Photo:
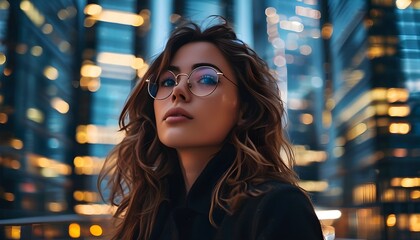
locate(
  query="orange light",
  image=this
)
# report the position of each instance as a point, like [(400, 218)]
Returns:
[(96, 230), (391, 220), (74, 230), (399, 128)]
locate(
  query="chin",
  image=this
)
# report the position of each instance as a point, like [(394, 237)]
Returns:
[(183, 139)]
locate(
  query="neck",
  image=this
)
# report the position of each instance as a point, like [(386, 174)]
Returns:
[(193, 161)]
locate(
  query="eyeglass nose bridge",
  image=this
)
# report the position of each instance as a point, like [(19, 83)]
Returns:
[(177, 79)]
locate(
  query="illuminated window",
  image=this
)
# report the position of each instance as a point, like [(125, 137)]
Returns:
[(365, 193), (400, 152), (13, 232), (36, 51), (388, 195), (402, 4), (415, 222), (306, 118), (405, 182), (415, 194), (97, 13), (327, 31), (376, 51), (379, 94), (98, 134), (3, 118), (397, 95), (2, 58), (356, 131), (399, 111), (96, 230), (74, 230), (314, 186), (60, 105), (391, 220), (51, 73), (86, 165), (399, 128)]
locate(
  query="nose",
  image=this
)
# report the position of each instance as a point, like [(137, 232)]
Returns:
[(180, 92)]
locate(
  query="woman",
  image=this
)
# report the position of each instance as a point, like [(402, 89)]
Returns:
[(201, 157)]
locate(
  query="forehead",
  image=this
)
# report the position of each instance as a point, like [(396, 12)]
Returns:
[(198, 52)]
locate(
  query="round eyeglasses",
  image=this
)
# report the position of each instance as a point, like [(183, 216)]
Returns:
[(202, 81)]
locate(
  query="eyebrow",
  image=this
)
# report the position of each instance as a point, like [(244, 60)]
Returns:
[(196, 65)]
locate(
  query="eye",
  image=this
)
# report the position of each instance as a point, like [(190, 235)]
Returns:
[(167, 82), (167, 79), (208, 79)]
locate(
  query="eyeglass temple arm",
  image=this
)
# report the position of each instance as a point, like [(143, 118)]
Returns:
[(222, 74)]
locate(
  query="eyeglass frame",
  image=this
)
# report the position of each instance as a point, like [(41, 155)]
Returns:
[(218, 73)]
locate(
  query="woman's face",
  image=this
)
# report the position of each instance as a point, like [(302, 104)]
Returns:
[(186, 121)]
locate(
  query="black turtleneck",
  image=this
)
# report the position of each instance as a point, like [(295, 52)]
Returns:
[(186, 215), (283, 212)]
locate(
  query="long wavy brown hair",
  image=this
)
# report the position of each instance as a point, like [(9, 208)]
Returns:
[(135, 168)]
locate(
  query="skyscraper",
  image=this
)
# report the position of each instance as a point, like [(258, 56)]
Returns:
[(36, 107), (372, 99)]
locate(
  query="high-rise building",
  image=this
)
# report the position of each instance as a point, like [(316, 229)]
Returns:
[(293, 30), (67, 67), (60, 97), (372, 116), (108, 70), (39, 66)]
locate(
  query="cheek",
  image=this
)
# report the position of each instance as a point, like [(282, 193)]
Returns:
[(229, 103), (158, 109), (223, 114)]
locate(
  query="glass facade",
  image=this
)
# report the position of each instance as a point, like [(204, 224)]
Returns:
[(296, 50), (108, 68), (37, 93), (373, 163)]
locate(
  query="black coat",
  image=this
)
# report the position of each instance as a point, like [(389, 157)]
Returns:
[(283, 212)]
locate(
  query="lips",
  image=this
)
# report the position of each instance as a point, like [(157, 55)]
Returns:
[(177, 112)]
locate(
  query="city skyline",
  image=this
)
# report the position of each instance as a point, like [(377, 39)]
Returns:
[(347, 72)]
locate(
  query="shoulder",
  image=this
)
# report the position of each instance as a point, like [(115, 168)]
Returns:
[(286, 211), (278, 197), (281, 210), (275, 200), (280, 191), (275, 186)]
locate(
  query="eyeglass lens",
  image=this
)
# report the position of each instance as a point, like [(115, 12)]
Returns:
[(201, 82)]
